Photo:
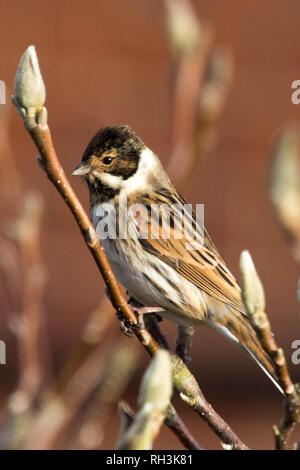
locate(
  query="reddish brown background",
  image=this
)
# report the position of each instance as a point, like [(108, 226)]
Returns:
[(107, 62)]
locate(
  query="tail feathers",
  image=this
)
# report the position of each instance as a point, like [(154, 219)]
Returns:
[(267, 367), (239, 330)]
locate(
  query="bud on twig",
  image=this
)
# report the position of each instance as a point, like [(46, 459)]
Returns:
[(154, 398), (215, 86), (252, 289), (285, 182), (156, 386), (182, 26), (30, 92)]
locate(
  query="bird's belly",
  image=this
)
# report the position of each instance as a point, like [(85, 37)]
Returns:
[(131, 275), (153, 283)]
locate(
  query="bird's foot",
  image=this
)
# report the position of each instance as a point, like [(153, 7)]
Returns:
[(126, 327), (140, 310)]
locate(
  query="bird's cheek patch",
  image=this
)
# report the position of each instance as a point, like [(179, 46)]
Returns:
[(113, 181)]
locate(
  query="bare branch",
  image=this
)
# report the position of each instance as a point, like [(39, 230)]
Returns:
[(190, 41), (175, 423), (122, 361), (253, 296), (188, 389), (26, 234)]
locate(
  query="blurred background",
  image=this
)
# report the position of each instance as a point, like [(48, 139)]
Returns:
[(107, 63)]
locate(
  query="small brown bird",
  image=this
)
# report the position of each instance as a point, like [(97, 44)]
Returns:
[(192, 286)]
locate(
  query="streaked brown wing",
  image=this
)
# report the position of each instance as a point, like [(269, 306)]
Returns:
[(202, 266)]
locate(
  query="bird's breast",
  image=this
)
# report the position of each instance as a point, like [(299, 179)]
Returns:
[(148, 279)]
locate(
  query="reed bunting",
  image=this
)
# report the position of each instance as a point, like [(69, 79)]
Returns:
[(190, 283)]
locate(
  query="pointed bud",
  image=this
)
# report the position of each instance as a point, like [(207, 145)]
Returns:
[(285, 179), (154, 398), (215, 86), (30, 93), (156, 386), (252, 289), (182, 26)]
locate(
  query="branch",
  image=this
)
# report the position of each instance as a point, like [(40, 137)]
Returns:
[(202, 81), (10, 186), (175, 423), (212, 97), (58, 410), (122, 360), (90, 338), (188, 389), (10, 274), (26, 233), (254, 300), (190, 42)]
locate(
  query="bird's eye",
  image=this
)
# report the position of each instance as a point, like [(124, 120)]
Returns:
[(107, 160)]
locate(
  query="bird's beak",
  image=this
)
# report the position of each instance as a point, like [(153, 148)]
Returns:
[(81, 169)]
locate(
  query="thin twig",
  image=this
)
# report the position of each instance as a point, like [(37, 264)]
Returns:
[(254, 300), (58, 410), (10, 186), (189, 391), (26, 233), (175, 423), (93, 333), (10, 274), (189, 73), (10, 199), (123, 360), (291, 405), (211, 101)]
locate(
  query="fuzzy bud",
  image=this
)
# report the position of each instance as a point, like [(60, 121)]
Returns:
[(252, 289), (182, 26), (156, 386), (154, 398), (285, 179), (30, 92)]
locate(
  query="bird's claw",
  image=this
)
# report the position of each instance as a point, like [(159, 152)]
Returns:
[(128, 328), (139, 310)]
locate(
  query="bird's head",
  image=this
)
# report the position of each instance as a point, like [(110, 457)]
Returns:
[(116, 161), (112, 159)]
